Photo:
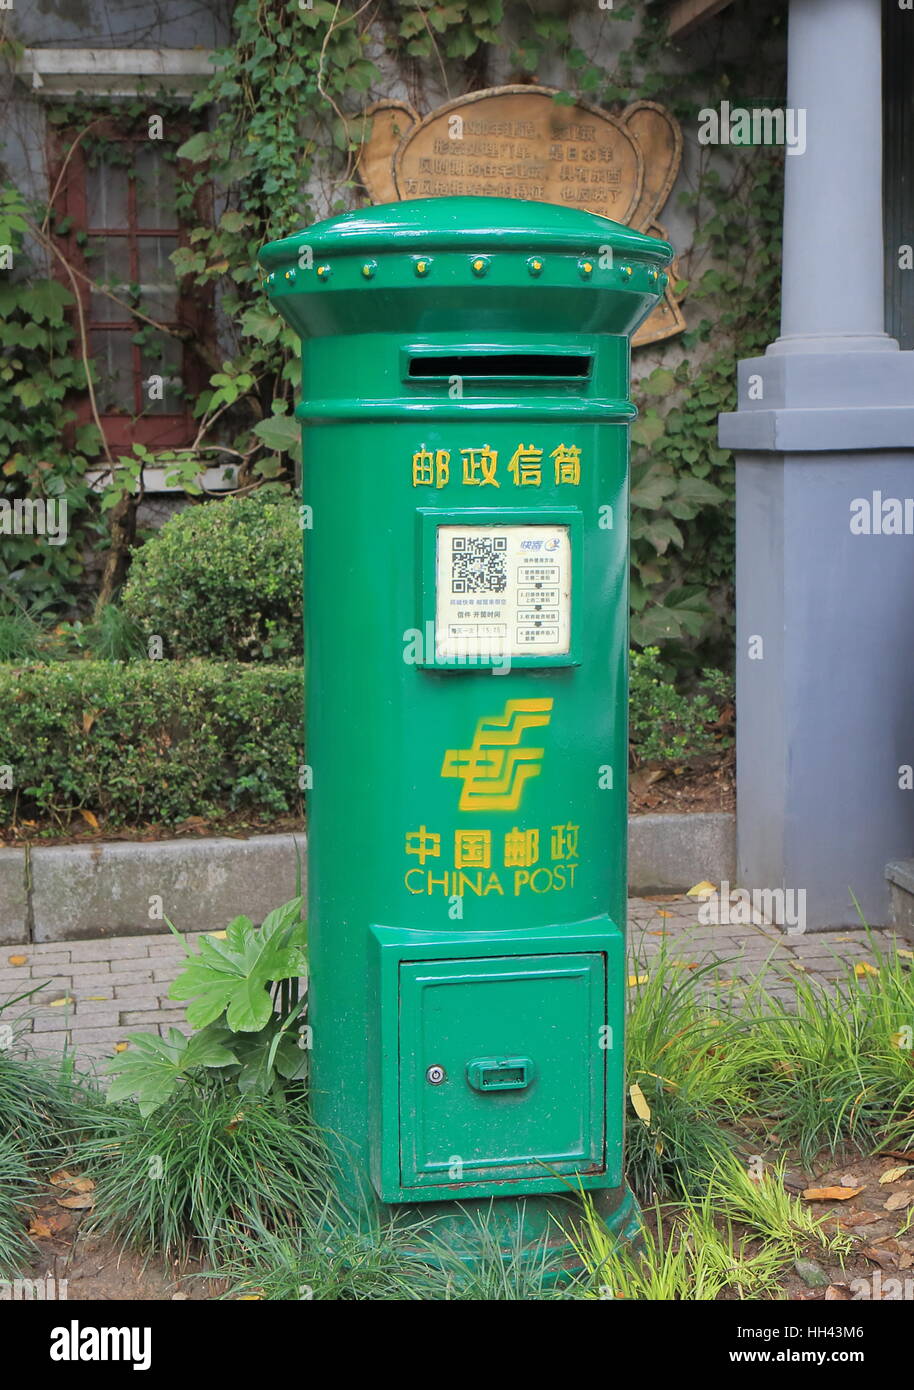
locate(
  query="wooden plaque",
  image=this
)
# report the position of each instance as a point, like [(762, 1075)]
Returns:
[(520, 142)]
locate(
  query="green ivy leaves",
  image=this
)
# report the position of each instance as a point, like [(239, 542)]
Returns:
[(280, 432)]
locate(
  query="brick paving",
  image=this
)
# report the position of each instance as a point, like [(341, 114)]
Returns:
[(92, 994)]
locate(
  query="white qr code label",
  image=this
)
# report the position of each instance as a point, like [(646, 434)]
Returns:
[(503, 591)]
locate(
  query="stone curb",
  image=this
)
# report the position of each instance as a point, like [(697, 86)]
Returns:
[(668, 854), (124, 888), (14, 901)]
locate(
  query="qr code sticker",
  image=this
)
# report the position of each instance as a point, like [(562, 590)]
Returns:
[(479, 564)]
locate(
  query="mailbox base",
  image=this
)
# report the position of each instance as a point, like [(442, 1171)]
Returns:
[(522, 1231)]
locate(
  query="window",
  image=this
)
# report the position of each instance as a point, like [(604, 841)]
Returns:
[(119, 202)]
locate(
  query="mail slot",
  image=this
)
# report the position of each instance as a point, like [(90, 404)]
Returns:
[(465, 410)]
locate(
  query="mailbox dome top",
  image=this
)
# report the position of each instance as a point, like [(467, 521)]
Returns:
[(472, 224)]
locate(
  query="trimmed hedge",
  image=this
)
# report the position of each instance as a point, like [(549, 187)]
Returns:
[(223, 579), (149, 741)]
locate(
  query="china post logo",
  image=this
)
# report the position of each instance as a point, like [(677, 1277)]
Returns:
[(495, 767)]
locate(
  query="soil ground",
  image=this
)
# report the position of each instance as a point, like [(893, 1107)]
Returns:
[(708, 784), (95, 1268)]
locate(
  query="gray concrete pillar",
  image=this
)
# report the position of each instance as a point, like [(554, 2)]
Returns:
[(824, 441), (833, 189)]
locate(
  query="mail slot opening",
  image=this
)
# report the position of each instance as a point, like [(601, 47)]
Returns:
[(485, 366)]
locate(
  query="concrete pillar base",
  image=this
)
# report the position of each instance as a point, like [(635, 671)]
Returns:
[(825, 627)]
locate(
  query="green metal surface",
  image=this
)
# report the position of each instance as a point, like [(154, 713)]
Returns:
[(465, 1127), (465, 462)]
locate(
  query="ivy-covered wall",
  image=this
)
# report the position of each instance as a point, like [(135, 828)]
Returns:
[(278, 130)]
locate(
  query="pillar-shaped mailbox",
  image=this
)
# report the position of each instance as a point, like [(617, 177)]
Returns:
[(465, 367)]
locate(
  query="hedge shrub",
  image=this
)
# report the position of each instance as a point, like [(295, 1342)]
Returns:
[(149, 741), (667, 725), (223, 579)]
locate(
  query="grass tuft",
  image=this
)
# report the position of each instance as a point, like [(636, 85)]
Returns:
[(206, 1164)]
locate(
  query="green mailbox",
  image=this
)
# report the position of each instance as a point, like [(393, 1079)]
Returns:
[(465, 366)]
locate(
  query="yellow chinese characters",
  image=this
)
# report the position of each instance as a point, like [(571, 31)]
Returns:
[(480, 466), (481, 858)]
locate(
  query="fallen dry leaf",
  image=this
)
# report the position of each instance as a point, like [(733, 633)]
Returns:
[(639, 1103), (40, 1229), (860, 1218), (883, 1258), (830, 1194), (905, 1260), (637, 980), (905, 955), (59, 1003), (893, 1174), (217, 935), (82, 1202), (58, 1221), (18, 960), (121, 1046), (898, 1201), (838, 1293), (863, 968), (661, 912), (702, 891), (89, 817), (71, 1181)]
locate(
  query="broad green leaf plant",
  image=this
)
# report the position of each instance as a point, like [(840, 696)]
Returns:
[(246, 1006)]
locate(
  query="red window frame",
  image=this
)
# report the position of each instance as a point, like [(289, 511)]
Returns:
[(193, 308)]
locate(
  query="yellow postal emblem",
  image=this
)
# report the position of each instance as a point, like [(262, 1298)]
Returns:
[(495, 767)]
